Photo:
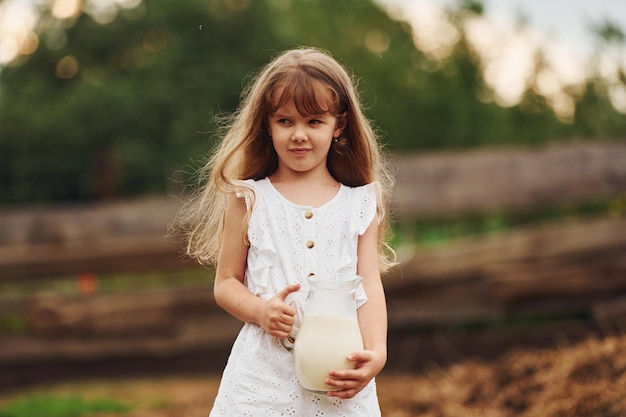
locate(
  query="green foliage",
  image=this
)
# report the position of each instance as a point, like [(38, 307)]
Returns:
[(106, 283), (54, 406), (434, 231), (117, 110), (12, 323), (610, 32)]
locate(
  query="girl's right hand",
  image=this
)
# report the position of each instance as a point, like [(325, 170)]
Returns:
[(277, 317)]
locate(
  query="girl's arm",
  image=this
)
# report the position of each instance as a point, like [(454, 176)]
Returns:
[(372, 321), (273, 315)]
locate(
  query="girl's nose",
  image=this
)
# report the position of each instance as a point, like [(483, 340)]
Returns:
[(299, 136)]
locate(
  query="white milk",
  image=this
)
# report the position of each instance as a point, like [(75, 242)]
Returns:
[(322, 344)]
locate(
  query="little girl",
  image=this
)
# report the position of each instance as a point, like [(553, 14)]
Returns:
[(297, 187)]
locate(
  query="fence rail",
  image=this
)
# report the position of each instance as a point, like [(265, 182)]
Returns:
[(508, 179)]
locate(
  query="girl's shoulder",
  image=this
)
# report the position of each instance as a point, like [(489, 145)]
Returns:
[(365, 201), (251, 190), (251, 184), (367, 191)]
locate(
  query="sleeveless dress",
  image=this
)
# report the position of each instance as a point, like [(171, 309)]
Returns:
[(287, 243)]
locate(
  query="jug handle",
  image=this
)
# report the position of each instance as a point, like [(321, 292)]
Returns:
[(290, 340), (288, 343)]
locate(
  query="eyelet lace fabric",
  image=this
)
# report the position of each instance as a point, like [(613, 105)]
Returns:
[(287, 243)]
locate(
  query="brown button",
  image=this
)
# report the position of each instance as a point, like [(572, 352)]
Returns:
[(308, 215), (310, 244), (311, 274)]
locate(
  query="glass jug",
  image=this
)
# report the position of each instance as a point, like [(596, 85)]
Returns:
[(329, 331)]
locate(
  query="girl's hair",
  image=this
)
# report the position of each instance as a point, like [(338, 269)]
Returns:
[(246, 150)]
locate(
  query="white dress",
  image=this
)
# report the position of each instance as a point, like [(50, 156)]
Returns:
[(287, 243)]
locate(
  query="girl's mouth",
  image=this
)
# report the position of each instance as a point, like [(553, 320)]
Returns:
[(299, 151)]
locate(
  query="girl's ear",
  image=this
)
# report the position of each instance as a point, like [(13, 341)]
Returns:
[(342, 121)]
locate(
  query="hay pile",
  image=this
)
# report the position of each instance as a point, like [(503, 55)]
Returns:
[(586, 380)]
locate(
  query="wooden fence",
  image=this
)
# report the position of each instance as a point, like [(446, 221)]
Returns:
[(130, 235), (459, 183), (566, 268), (556, 272)]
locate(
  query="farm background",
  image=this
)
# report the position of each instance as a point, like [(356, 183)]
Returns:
[(509, 216)]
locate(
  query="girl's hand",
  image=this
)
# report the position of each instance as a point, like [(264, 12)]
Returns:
[(368, 364), (277, 318)]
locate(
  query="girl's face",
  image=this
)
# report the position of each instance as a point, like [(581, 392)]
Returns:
[(302, 142)]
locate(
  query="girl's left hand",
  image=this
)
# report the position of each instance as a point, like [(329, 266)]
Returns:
[(368, 364)]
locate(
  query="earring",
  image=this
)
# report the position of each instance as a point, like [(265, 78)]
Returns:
[(335, 140)]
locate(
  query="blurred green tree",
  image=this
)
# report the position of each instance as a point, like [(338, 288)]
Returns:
[(115, 110)]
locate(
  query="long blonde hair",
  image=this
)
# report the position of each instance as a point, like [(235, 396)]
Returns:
[(246, 150)]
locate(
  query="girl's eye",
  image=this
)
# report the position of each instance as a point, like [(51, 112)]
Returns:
[(283, 121), (315, 122)]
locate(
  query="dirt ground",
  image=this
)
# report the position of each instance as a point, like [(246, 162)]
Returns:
[(584, 380)]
